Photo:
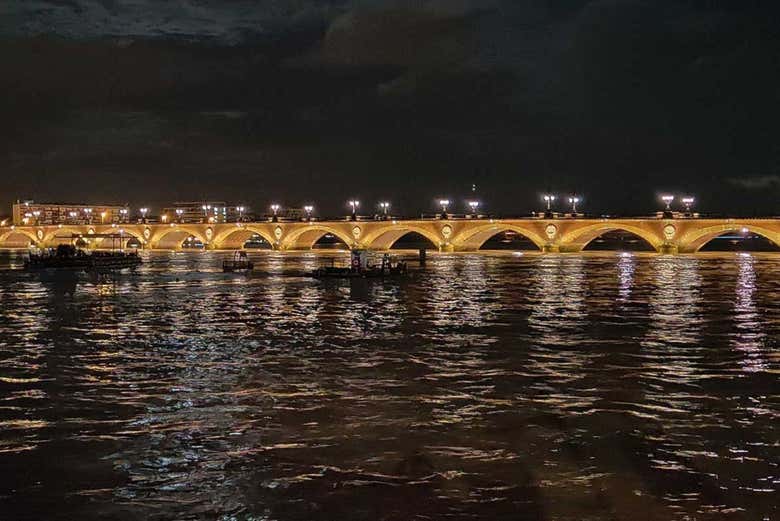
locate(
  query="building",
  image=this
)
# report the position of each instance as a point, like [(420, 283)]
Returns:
[(203, 211), (32, 213)]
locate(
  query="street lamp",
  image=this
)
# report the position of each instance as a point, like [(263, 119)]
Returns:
[(688, 202), (143, 214), (179, 212), (88, 211), (667, 199), (123, 212), (274, 209), (474, 205), (444, 203), (549, 199), (354, 204), (103, 217), (72, 216), (37, 214), (385, 206), (573, 200), (206, 208), (240, 210), (308, 209)]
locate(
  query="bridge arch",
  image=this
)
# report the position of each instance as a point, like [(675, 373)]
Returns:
[(386, 236), (172, 238), (235, 238), (6, 235), (305, 237), (694, 240), (473, 238), (577, 239)]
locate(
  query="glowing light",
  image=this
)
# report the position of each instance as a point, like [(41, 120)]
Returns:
[(573, 201), (668, 199), (474, 205)]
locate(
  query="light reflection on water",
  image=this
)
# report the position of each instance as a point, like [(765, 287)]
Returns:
[(601, 386)]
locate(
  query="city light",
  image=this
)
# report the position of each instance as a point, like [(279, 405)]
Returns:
[(573, 201), (444, 203), (143, 213), (549, 199), (474, 205), (688, 202), (308, 209), (275, 209), (354, 204), (179, 213), (668, 199), (385, 206), (240, 210)]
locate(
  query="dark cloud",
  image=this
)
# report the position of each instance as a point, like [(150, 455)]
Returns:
[(411, 100), (756, 182)]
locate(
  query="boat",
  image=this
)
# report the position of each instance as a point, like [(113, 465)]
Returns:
[(240, 262), (67, 257), (359, 268)]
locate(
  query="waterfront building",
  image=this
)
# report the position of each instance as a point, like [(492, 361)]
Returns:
[(203, 211), (44, 214)]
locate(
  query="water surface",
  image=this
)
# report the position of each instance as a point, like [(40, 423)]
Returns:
[(552, 387)]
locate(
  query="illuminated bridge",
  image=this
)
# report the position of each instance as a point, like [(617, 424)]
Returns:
[(549, 235)]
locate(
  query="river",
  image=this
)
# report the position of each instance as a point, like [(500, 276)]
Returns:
[(601, 386)]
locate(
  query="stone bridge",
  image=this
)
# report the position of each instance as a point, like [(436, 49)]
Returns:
[(550, 235)]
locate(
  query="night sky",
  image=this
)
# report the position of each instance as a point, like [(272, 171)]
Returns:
[(297, 101)]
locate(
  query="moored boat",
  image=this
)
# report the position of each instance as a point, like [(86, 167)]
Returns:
[(359, 268), (240, 262), (68, 257)]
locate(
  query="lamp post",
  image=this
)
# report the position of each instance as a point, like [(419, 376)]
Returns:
[(308, 209), (688, 202), (275, 209), (444, 203), (123, 212), (385, 206), (143, 214), (354, 204), (240, 210), (72, 216), (179, 213), (668, 199), (103, 217), (474, 205), (36, 214), (573, 200), (88, 211), (206, 208), (549, 199)]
